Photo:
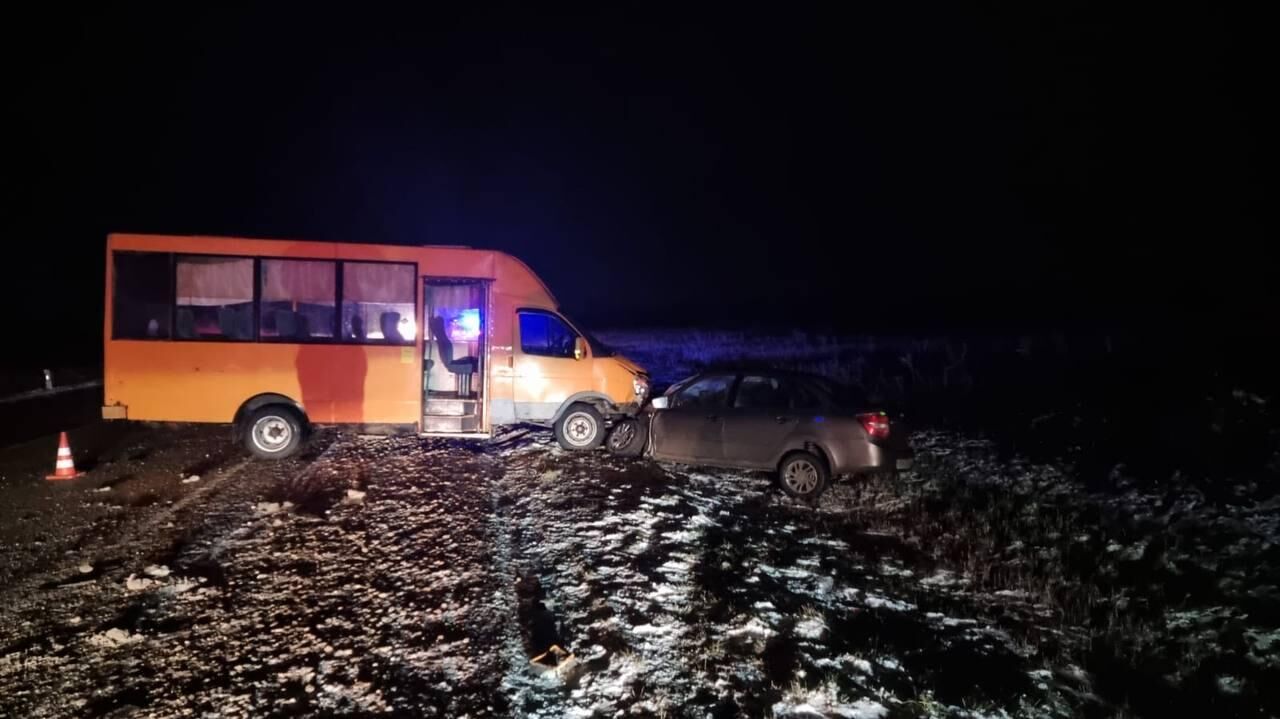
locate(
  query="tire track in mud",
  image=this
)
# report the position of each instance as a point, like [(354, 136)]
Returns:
[(605, 551), (363, 586), (64, 628), (691, 593)]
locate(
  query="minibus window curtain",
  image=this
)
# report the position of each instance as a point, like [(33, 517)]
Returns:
[(339, 331), (379, 301), (257, 300), (214, 297), (298, 300)]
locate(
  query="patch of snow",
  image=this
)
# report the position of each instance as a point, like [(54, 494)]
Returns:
[(1262, 641), (754, 628), (1230, 685), (944, 578), (826, 701), (895, 570), (113, 638), (844, 660), (653, 630), (134, 583), (812, 627), (875, 601)]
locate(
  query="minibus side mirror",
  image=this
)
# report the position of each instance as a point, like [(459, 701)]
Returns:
[(579, 348), (662, 402)]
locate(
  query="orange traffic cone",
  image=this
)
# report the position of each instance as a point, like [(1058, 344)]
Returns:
[(64, 467)]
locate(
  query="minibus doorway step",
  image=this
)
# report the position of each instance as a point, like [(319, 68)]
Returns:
[(467, 423), (458, 435)]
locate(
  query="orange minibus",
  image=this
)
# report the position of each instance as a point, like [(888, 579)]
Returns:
[(274, 335)]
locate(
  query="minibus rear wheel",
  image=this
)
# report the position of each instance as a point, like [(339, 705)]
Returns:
[(580, 427), (273, 432)]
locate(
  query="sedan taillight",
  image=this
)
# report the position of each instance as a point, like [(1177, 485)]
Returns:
[(876, 424)]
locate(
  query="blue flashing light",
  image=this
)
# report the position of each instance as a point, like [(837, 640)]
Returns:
[(465, 326)]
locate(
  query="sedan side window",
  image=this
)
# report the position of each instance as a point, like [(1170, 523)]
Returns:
[(757, 392), (708, 392)]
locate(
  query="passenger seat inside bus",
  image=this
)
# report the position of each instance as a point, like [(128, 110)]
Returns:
[(235, 322), (285, 326), (186, 323), (463, 367)]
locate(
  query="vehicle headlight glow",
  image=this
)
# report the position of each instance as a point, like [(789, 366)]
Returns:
[(640, 384)]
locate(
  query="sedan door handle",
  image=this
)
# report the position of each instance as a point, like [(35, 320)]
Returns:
[(781, 420), (713, 417)]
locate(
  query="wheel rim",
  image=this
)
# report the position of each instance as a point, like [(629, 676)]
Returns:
[(622, 435), (580, 429), (801, 476), (272, 434)]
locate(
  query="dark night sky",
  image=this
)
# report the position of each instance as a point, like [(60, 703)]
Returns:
[(884, 169)]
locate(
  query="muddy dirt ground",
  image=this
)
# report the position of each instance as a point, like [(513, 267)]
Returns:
[(421, 577)]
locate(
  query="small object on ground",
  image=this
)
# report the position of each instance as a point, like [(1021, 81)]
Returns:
[(85, 567), (113, 638), (64, 467), (556, 662), (134, 583), (155, 570), (192, 478), (354, 496)]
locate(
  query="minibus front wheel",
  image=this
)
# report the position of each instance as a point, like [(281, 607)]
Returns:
[(580, 427), (273, 432)]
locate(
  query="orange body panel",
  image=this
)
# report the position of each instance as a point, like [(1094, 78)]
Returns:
[(208, 381)]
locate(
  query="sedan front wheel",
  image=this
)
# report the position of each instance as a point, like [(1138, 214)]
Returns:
[(627, 438)]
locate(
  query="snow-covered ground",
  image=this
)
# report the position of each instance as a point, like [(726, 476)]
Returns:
[(423, 577)]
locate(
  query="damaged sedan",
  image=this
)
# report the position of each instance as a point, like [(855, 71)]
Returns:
[(806, 428)]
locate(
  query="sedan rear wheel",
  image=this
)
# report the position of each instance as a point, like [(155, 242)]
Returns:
[(803, 475)]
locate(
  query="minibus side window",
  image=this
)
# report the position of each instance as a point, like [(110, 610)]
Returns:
[(545, 335), (378, 300), (142, 303), (214, 298), (299, 300)]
